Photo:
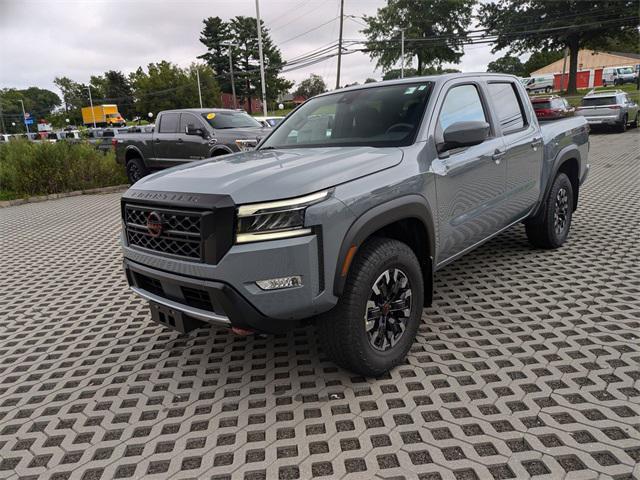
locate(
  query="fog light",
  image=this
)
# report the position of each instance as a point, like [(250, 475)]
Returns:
[(278, 283)]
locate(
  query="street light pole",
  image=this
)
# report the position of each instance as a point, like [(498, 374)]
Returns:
[(199, 91), (93, 113), (264, 86), (233, 83), (24, 117), (402, 53)]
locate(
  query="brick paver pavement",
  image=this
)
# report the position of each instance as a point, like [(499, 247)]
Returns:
[(528, 363)]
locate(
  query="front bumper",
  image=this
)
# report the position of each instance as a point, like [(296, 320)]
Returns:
[(199, 301)]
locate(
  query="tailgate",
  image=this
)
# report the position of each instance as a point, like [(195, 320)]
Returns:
[(598, 111)]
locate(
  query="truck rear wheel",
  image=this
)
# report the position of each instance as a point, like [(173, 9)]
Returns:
[(550, 228), (622, 126), (136, 169), (375, 322)]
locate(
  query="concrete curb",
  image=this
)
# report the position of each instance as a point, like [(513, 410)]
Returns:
[(54, 196)]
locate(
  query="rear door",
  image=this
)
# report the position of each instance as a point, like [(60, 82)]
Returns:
[(470, 180), (165, 140), (523, 148), (193, 147)]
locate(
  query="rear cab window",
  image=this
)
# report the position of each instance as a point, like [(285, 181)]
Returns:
[(508, 107)]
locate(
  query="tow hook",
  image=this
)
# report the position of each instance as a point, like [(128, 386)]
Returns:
[(242, 332)]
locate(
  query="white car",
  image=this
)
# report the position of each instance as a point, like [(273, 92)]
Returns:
[(618, 75), (269, 121)]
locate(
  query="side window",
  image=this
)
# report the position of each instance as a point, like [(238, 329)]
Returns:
[(508, 106), (462, 104), (169, 123), (188, 120)]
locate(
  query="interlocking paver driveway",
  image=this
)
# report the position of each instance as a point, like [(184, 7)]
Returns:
[(528, 363)]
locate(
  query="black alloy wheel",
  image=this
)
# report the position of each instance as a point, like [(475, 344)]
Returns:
[(388, 309)]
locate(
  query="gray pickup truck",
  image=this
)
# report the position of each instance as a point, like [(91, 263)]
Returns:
[(186, 135), (345, 212)]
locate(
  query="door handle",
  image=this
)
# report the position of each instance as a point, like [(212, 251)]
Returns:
[(536, 142), (497, 156)]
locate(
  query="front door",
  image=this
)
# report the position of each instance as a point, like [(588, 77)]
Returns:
[(523, 149), (193, 147), (470, 180)]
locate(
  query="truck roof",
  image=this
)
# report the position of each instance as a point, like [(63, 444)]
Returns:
[(440, 78)]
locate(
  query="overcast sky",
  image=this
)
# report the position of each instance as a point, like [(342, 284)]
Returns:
[(42, 39)]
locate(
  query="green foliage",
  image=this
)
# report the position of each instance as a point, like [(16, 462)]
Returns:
[(419, 19), (508, 64), (39, 102), (166, 86), (394, 73), (242, 32), (113, 88), (75, 96), (310, 87), (40, 168), (542, 25)]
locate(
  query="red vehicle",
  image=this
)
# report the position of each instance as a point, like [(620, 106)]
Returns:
[(552, 107)]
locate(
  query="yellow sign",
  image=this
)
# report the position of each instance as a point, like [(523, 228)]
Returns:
[(211, 116)]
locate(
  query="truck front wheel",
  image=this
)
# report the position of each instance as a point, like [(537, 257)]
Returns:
[(550, 228), (135, 169), (375, 322)]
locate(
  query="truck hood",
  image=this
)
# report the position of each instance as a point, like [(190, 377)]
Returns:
[(246, 133), (263, 175)]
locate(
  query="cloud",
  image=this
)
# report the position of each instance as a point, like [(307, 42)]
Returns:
[(40, 39)]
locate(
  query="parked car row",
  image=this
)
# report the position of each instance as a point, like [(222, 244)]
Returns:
[(605, 107)]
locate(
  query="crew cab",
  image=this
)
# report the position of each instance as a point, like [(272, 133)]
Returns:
[(186, 135), (348, 208)]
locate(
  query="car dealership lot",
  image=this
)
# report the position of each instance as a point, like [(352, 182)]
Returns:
[(527, 364)]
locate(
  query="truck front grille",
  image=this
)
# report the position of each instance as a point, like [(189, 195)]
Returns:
[(180, 231)]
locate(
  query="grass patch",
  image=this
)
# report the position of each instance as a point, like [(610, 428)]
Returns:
[(41, 168)]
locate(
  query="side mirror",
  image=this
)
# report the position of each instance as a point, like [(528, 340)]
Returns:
[(464, 134), (191, 130)]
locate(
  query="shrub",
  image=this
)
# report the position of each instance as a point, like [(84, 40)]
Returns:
[(40, 168)]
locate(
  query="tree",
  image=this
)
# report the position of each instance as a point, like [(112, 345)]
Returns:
[(537, 60), (422, 20), (74, 96), (310, 87), (370, 80), (39, 102), (539, 25), (113, 87), (394, 73), (507, 64), (242, 32), (165, 86)]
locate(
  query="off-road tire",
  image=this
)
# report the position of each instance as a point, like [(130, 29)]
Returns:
[(136, 169), (541, 230), (622, 127), (342, 332)]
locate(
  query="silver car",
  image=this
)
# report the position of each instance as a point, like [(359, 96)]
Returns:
[(609, 107)]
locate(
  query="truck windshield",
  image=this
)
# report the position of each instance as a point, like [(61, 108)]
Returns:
[(381, 116), (222, 120)]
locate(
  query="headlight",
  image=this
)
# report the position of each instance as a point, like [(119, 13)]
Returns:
[(247, 145), (274, 220)]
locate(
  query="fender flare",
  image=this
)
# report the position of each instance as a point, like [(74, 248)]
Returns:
[(567, 153), (403, 208), (219, 148), (133, 148)]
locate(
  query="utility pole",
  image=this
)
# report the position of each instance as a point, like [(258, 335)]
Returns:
[(199, 91), (402, 53), (233, 83), (24, 117), (264, 85), (340, 44), (93, 113)]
